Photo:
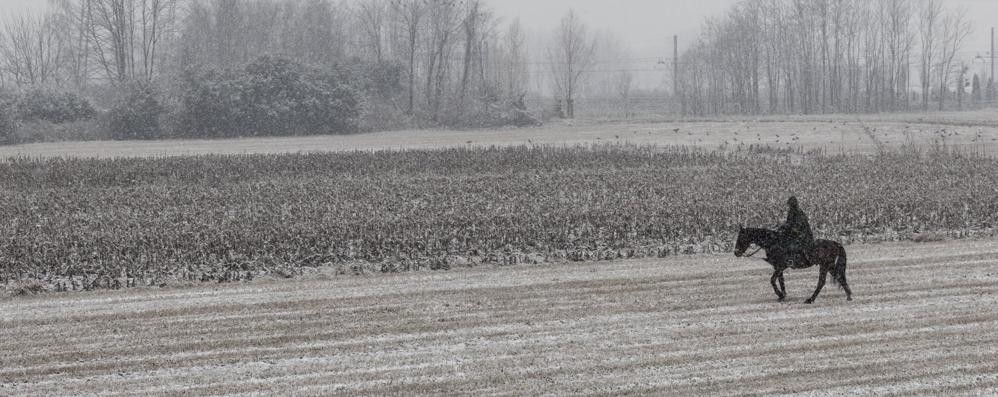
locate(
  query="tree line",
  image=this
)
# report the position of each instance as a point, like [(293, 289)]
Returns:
[(443, 61), (823, 56)]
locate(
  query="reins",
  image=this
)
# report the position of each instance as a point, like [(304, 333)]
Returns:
[(753, 253)]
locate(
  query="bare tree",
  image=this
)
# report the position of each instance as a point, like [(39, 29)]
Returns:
[(370, 18), (111, 34), (571, 57), (811, 56), (74, 18), (624, 80), (410, 14), (513, 74), (614, 79), (444, 21), (122, 31), (311, 31), (472, 27), (955, 30), (928, 25), (32, 50)]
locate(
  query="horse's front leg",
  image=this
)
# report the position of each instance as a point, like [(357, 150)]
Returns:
[(778, 275), (821, 283), (783, 288)]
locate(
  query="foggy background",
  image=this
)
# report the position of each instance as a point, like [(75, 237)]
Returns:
[(414, 64), (644, 27)]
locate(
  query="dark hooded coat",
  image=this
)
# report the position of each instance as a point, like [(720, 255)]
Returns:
[(797, 229)]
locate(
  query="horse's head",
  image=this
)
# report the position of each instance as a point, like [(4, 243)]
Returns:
[(763, 238), (742, 243)]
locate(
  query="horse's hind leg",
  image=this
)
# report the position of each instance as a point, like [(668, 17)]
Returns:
[(783, 288), (821, 283), (777, 275)]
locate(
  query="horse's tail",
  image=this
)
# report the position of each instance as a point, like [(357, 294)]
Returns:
[(840, 267)]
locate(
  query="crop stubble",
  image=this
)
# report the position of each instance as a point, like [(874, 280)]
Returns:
[(73, 224), (923, 322)]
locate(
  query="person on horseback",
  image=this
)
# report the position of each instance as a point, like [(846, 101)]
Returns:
[(796, 234)]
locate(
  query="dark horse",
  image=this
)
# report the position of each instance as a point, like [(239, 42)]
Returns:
[(831, 256)]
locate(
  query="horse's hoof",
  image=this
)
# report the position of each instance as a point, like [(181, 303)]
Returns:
[(809, 301), (849, 298), (781, 299)]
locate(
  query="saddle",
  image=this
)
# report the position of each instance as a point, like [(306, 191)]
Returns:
[(791, 253)]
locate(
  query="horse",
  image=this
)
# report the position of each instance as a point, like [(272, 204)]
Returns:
[(829, 255)]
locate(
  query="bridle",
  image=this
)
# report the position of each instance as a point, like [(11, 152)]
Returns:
[(753, 253)]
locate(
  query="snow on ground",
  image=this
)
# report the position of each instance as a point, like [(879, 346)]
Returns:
[(923, 322)]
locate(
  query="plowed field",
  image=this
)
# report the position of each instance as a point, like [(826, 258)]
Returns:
[(924, 321)]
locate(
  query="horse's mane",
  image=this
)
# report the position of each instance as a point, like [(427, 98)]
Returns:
[(761, 231), (767, 234)]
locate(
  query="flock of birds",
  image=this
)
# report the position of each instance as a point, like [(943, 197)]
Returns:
[(879, 137)]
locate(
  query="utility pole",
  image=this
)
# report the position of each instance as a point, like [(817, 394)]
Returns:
[(991, 81), (675, 74)]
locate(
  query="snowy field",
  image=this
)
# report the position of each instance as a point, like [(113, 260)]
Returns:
[(977, 130), (923, 322)]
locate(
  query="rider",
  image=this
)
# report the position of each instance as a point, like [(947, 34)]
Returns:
[(796, 233)]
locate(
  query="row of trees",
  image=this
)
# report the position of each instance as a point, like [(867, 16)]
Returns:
[(77, 42), (455, 58), (819, 56)]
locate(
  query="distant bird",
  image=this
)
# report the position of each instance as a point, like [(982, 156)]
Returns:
[(676, 130), (468, 142)]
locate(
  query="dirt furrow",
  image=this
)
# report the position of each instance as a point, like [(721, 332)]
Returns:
[(922, 324)]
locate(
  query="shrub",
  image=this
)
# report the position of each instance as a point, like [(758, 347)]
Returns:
[(42, 104), (491, 112), (44, 131), (381, 88), (137, 113), (7, 123), (271, 96)]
